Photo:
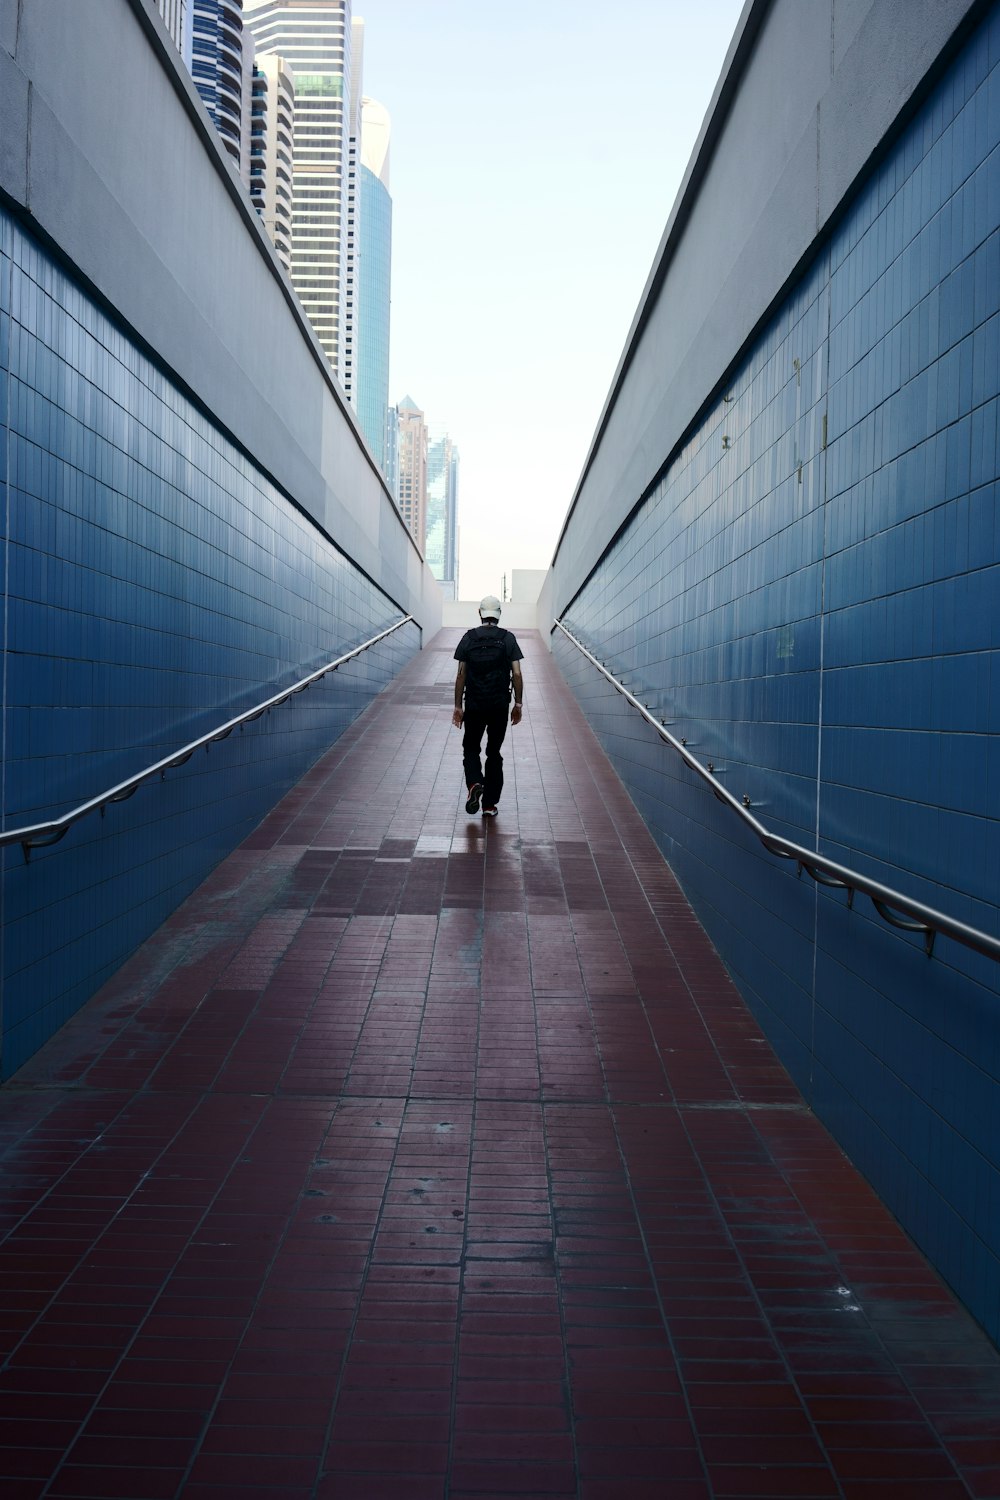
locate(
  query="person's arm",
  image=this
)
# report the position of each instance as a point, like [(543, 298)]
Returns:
[(518, 681), (457, 715)]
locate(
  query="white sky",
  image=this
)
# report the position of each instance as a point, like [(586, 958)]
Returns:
[(536, 153)]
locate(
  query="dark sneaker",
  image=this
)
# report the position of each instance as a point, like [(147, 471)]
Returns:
[(489, 812), (475, 794)]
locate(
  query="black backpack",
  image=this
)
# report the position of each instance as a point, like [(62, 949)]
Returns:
[(487, 682)]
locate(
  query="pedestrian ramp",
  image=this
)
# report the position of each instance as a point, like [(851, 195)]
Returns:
[(429, 1157)]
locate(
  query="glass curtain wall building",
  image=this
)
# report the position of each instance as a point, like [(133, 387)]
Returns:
[(314, 38), (442, 510), (374, 268)]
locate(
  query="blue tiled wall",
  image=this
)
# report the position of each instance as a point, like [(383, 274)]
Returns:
[(810, 596), (155, 584)]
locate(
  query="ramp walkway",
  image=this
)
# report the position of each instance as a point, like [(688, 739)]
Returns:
[(420, 1158)]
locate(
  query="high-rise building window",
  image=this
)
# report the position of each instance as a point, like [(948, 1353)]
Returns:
[(313, 37)]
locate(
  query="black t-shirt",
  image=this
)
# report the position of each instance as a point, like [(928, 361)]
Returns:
[(488, 653)]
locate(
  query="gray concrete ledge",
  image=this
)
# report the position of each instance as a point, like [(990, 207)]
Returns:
[(807, 95)]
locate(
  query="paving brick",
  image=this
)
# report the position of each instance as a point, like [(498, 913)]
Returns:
[(436, 1175)]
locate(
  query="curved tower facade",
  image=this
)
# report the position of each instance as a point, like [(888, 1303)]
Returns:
[(279, 148), (217, 67)]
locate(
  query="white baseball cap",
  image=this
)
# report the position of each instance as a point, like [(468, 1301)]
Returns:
[(489, 608)]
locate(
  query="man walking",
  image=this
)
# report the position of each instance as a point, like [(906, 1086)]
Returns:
[(489, 660)]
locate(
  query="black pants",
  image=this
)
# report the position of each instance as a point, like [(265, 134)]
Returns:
[(494, 722)]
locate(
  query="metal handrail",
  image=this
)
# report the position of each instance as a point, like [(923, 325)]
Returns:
[(892, 906), (40, 835)]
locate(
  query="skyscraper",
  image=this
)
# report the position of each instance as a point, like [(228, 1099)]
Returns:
[(258, 139), (374, 263), (314, 37), (279, 113), (249, 116), (221, 64), (392, 452), (412, 473), (352, 211), (440, 551)]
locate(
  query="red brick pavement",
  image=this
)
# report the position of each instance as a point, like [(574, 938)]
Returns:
[(427, 1159)]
